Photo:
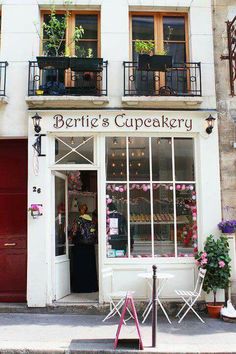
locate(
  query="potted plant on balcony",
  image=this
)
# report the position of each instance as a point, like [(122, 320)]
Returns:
[(85, 60), (147, 60), (215, 259), (54, 32)]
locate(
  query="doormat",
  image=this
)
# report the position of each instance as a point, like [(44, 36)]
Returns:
[(129, 343)]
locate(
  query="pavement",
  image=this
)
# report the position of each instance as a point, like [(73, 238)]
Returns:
[(72, 333)]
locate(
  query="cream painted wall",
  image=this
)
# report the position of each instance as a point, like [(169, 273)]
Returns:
[(20, 43)]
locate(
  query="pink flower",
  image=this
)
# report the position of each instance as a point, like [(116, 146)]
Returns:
[(195, 249), (204, 255), (197, 263), (221, 264), (204, 261), (194, 237)]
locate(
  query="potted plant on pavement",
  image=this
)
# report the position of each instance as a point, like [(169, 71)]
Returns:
[(227, 226), (215, 259)]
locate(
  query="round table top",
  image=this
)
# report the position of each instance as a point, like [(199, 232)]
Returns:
[(159, 275)]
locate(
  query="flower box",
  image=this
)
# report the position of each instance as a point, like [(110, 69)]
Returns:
[(45, 62)]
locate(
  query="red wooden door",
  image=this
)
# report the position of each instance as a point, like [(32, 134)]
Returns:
[(13, 220)]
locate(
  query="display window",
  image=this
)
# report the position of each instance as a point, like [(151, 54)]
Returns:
[(150, 197)]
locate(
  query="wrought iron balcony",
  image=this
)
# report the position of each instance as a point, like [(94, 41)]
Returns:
[(3, 69), (180, 80), (61, 82)]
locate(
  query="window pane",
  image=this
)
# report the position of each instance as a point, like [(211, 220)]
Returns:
[(174, 29), (184, 159), (177, 50), (116, 221), (116, 159), (139, 159), (89, 24), (60, 222), (161, 159), (74, 150), (186, 212), (140, 220), (86, 49), (142, 27), (163, 218)]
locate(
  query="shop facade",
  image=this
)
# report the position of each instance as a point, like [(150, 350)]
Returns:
[(151, 176)]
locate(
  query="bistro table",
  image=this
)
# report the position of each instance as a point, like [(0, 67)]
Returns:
[(161, 280)]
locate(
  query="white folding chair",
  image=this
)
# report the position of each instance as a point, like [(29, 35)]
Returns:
[(190, 297), (116, 298)]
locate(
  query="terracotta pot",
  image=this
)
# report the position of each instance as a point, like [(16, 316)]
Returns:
[(214, 310)]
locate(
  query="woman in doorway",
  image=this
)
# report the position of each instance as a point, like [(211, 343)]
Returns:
[(84, 276)]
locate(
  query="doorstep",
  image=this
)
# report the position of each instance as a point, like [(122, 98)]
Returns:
[(92, 308)]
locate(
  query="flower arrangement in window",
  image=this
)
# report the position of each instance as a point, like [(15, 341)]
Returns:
[(215, 259), (227, 226)]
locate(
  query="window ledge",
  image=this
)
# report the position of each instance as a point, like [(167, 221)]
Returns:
[(3, 100), (65, 101), (162, 101)]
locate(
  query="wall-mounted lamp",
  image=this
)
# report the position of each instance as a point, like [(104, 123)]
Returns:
[(36, 122), (210, 124), (38, 141)]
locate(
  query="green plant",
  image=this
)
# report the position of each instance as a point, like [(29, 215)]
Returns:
[(144, 47), (162, 52), (215, 259), (54, 32)]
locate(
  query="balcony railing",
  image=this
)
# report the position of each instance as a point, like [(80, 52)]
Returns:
[(3, 69), (180, 80), (60, 82)]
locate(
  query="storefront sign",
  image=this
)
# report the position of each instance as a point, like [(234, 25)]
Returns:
[(121, 121)]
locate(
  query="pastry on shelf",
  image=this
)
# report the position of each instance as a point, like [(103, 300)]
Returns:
[(154, 217), (142, 218)]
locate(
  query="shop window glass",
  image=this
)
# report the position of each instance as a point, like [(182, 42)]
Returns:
[(184, 159), (116, 159), (116, 220), (163, 219), (140, 220), (186, 211), (74, 150), (139, 168), (158, 211), (161, 159)]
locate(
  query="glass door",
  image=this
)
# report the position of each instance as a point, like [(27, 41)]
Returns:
[(62, 262)]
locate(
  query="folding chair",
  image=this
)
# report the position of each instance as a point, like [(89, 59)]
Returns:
[(116, 298), (190, 297)]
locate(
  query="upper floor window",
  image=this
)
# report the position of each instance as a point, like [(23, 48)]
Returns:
[(168, 32), (86, 47)]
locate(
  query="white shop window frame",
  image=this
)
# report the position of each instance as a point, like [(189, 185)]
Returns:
[(100, 166), (148, 260)]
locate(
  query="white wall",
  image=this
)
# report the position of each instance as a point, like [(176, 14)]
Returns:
[(20, 43)]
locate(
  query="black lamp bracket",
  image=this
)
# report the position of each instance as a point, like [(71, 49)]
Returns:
[(37, 144)]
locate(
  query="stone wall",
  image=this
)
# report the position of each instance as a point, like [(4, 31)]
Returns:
[(224, 10)]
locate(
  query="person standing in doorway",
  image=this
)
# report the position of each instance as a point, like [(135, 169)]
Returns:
[(84, 277)]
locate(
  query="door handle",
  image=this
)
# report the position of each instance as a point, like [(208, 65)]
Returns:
[(10, 244)]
